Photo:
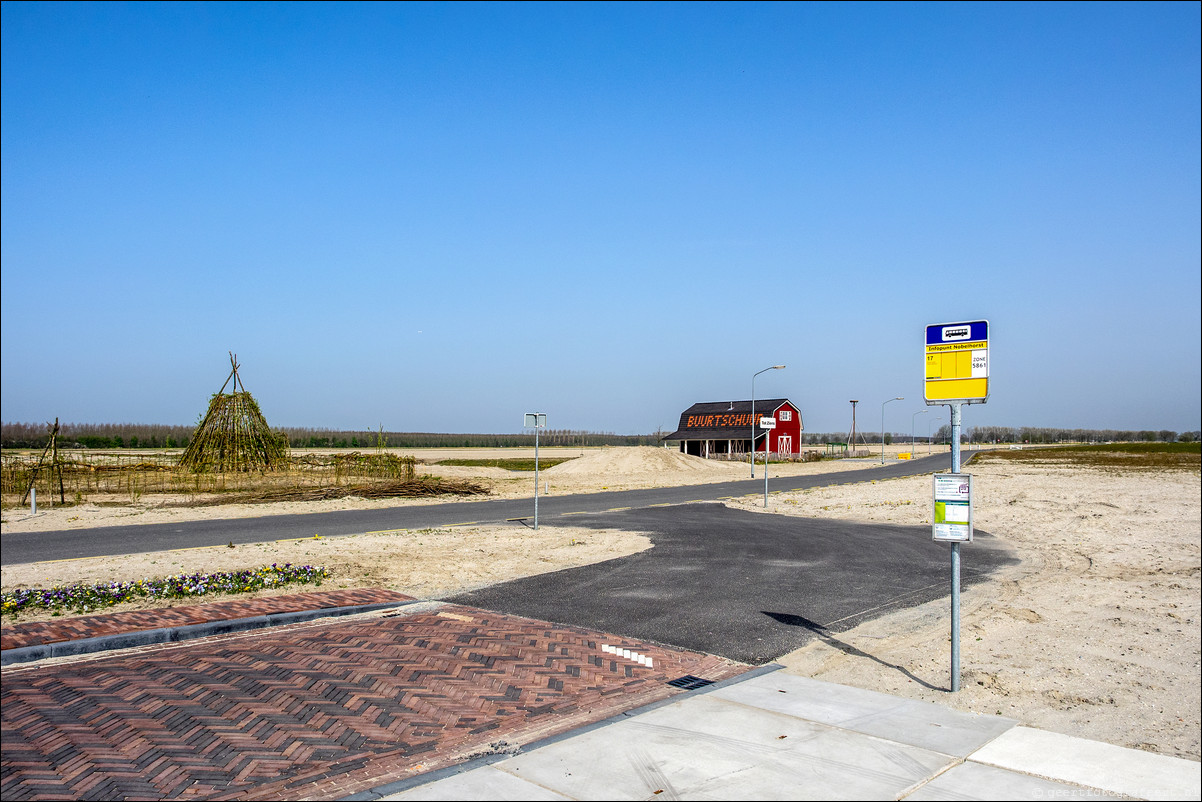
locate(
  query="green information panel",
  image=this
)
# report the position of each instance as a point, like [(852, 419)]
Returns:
[(952, 521)]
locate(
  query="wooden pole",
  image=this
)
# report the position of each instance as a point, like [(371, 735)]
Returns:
[(57, 464)]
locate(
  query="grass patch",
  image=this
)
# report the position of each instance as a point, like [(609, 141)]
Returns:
[(1128, 456), (507, 464)]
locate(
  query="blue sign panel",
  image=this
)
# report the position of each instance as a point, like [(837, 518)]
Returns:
[(977, 330)]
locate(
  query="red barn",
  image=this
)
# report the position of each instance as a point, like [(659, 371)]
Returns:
[(725, 428)]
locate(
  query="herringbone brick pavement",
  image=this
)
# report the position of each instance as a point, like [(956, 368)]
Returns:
[(77, 628), (318, 710)]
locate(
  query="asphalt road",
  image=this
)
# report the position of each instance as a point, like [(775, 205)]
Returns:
[(744, 585), (24, 547), (734, 583)]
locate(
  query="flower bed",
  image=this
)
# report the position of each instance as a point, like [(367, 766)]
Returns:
[(83, 598)]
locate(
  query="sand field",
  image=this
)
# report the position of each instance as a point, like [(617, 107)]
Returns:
[(1094, 634)]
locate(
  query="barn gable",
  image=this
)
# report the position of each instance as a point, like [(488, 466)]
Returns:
[(725, 427)]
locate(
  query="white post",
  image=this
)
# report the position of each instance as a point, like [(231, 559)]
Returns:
[(33, 500)]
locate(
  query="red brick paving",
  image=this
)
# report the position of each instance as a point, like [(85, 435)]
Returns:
[(315, 711), (38, 633)]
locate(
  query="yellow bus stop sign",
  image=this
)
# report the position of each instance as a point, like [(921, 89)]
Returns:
[(957, 366)]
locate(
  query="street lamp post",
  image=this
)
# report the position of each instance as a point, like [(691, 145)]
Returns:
[(757, 373), (851, 437), (535, 421), (899, 398), (913, 438)]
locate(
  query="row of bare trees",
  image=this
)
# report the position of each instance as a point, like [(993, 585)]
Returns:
[(96, 435), (139, 435), (328, 438)]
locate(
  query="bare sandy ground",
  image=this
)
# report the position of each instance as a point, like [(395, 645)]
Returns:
[(425, 563), (1095, 634)]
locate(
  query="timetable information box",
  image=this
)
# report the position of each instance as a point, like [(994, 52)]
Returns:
[(957, 362)]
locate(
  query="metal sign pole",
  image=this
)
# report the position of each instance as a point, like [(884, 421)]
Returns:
[(767, 440), (955, 560), (536, 421), (767, 424), (536, 479), (754, 421)]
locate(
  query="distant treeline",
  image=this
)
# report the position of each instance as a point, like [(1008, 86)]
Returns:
[(329, 438), (1029, 434), (1007, 434), (141, 435), (96, 435)]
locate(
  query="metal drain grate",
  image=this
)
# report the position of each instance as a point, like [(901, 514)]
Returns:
[(689, 683)]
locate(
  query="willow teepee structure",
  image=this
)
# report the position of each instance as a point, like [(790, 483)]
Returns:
[(234, 436)]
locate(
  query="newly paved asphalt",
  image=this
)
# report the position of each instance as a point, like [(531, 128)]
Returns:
[(744, 585), (25, 547)]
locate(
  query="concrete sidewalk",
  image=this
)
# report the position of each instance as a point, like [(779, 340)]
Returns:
[(779, 736)]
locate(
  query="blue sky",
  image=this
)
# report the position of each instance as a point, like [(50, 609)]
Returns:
[(439, 217)]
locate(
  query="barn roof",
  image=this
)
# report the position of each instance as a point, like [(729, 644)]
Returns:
[(723, 420)]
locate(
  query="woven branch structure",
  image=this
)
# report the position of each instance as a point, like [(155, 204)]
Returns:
[(234, 435)]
